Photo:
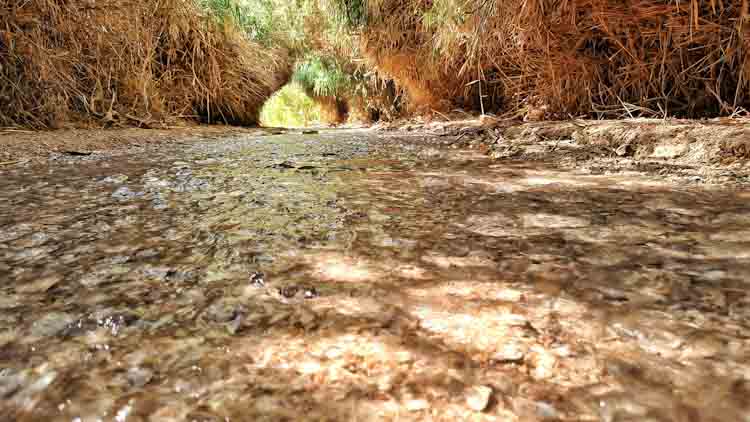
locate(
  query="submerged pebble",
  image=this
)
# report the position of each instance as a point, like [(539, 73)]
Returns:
[(51, 324), (125, 193), (139, 377)]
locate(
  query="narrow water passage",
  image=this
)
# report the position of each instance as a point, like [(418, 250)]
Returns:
[(340, 277)]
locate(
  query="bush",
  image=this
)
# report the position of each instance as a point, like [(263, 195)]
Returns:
[(290, 107)]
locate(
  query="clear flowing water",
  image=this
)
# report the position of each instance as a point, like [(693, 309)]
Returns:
[(341, 276)]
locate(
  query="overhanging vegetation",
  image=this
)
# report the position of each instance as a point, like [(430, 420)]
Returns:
[(593, 57), (219, 60)]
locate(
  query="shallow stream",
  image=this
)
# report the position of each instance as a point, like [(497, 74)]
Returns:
[(341, 276)]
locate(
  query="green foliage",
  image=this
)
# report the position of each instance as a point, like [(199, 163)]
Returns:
[(292, 17), (350, 13), (445, 12), (280, 23), (290, 107), (322, 77), (321, 35), (254, 17)]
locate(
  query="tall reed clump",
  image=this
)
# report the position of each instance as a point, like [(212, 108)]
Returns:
[(392, 39), (127, 61), (345, 90), (326, 82), (612, 58)]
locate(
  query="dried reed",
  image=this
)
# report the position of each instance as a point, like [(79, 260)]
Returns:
[(127, 61), (595, 57)]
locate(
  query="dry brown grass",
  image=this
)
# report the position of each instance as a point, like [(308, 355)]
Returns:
[(116, 61), (398, 46), (646, 57), (358, 111), (377, 100), (333, 111), (597, 57), (426, 87)]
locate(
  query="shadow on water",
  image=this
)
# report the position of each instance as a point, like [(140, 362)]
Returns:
[(439, 287)]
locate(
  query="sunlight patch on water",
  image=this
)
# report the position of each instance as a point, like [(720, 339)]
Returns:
[(335, 267)]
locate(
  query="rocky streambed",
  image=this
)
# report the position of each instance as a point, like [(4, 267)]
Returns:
[(349, 275)]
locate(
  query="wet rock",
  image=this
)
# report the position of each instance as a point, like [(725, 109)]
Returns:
[(169, 274), (283, 165), (33, 240), (11, 381), (160, 273), (138, 377), (154, 183), (236, 194), (159, 203), (40, 285), (147, 253), (510, 353), (77, 153), (257, 279), (115, 322), (221, 311), (116, 179), (125, 193), (613, 294), (430, 153), (37, 386), (478, 397), (183, 173), (111, 320), (288, 291), (542, 363), (190, 185), (311, 293), (625, 150), (38, 239), (546, 411), (101, 227), (52, 324), (35, 253), (234, 325), (102, 274), (534, 410), (621, 406)]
